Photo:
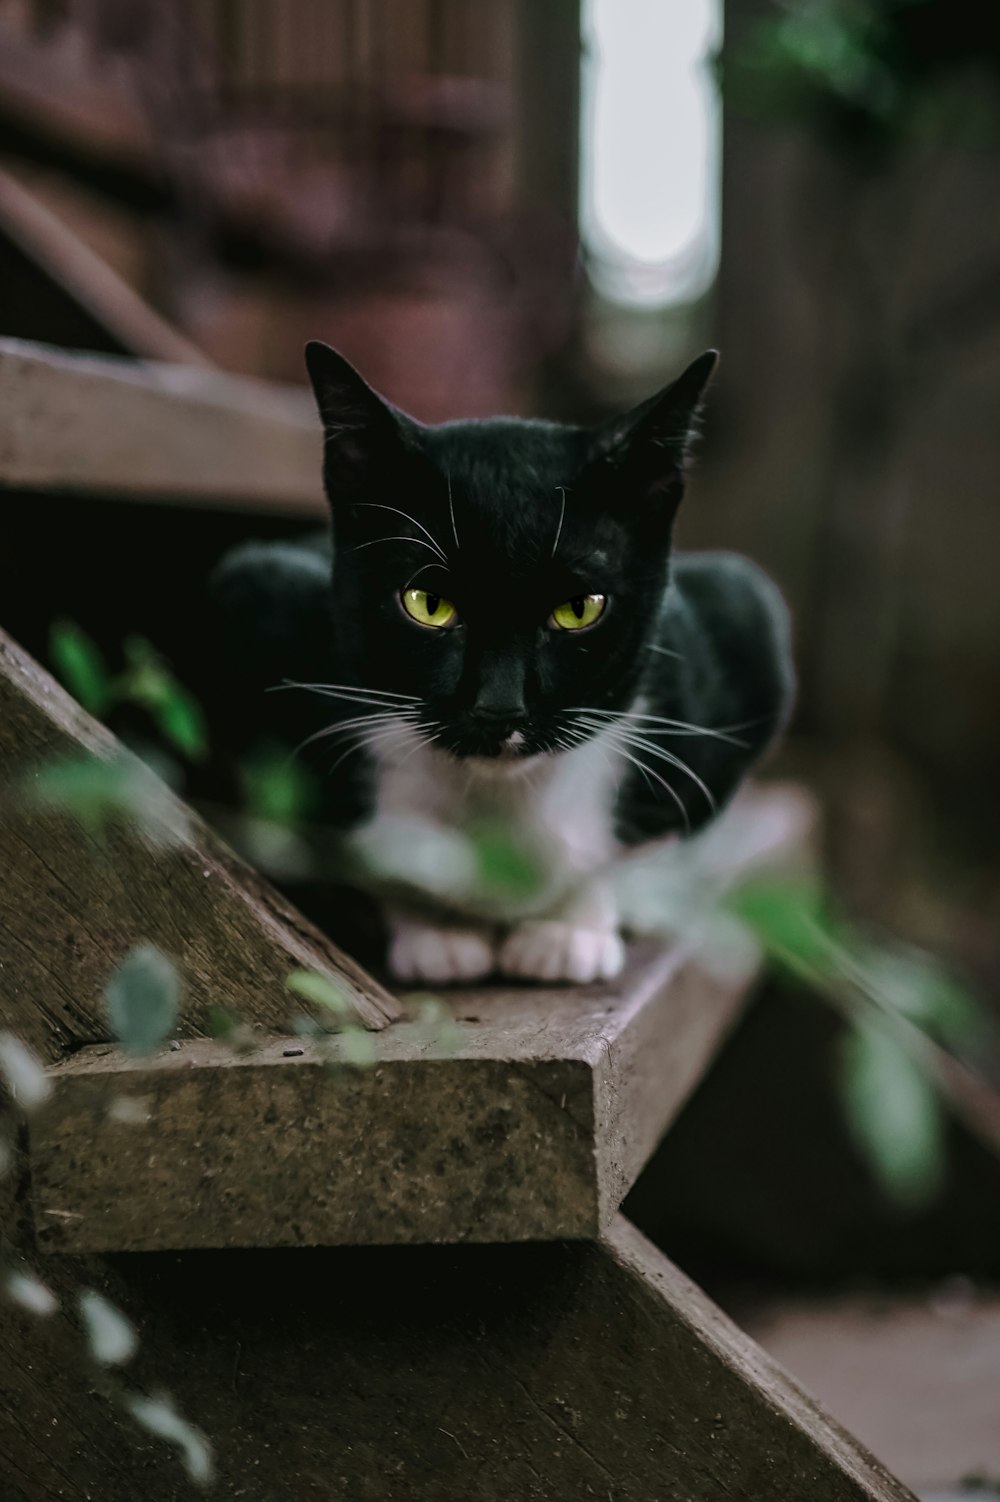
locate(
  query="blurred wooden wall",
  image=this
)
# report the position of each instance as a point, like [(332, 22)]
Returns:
[(854, 443), (397, 176)]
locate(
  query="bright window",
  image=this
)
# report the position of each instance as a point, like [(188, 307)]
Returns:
[(650, 160)]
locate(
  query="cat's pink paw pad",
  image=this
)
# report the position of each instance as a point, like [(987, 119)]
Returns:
[(546, 949), (440, 956)]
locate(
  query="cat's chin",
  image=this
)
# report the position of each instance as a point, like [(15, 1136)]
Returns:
[(509, 761)]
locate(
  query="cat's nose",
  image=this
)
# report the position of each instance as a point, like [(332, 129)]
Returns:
[(499, 714), (501, 691)]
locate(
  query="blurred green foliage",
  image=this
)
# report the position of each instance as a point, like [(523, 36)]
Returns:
[(142, 998), (893, 1112), (101, 792), (321, 991), (145, 681), (871, 71), (891, 1100), (502, 864), (357, 1046), (80, 666), (275, 787)]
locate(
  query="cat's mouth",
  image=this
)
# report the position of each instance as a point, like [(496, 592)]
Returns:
[(500, 743)]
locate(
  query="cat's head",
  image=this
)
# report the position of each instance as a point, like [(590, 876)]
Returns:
[(498, 576)]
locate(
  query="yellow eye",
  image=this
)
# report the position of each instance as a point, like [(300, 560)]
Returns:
[(427, 609), (581, 611)]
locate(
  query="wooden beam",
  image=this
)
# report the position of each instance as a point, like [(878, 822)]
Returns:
[(57, 88), (87, 280), (73, 902), (466, 1374), (531, 1125), (89, 424)]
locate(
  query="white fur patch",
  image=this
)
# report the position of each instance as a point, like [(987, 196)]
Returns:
[(559, 805), (439, 956), (551, 950)]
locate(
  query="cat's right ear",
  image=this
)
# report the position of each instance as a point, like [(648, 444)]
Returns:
[(647, 449), (361, 428)]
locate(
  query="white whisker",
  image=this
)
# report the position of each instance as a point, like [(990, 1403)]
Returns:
[(421, 570), (344, 691), (674, 727), (378, 506), (451, 511), (417, 542), (340, 726), (648, 772), (562, 517), (422, 738), (627, 735), (626, 747), (367, 740)]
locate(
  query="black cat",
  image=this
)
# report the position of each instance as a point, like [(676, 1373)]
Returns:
[(507, 641)]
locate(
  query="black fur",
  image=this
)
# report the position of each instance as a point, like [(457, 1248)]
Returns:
[(527, 515)]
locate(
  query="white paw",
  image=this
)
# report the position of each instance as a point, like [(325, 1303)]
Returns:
[(420, 952), (546, 949)]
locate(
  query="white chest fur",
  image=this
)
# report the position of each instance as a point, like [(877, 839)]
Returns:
[(557, 807)]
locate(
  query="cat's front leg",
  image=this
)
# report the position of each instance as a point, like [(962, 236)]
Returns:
[(581, 943), (438, 953)]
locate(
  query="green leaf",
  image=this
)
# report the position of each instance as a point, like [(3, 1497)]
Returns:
[(80, 666), (82, 785), (22, 1075), (276, 788), (97, 791), (503, 864), (220, 1022), (437, 1021), (358, 1047), (321, 990), (149, 683), (161, 1418), (111, 1338), (182, 723), (143, 999), (789, 919), (913, 984), (894, 1115)]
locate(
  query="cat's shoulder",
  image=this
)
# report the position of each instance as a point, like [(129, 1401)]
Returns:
[(729, 596), (723, 578)]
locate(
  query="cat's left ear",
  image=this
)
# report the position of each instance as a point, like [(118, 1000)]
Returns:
[(647, 448), (362, 429)]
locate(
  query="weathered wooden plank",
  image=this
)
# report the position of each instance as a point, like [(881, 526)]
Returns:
[(532, 1126), (459, 1374), (73, 902), (98, 424), (87, 279)]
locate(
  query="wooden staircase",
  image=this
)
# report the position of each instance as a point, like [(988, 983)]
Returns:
[(404, 1281)]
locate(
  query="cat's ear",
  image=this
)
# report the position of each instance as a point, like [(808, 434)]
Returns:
[(361, 429), (647, 449)]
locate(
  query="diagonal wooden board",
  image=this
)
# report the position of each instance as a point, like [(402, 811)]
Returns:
[(72, 903), (569, 1370), (532, 1125)]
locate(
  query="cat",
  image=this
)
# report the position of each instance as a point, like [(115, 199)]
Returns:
[(497, 633)]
